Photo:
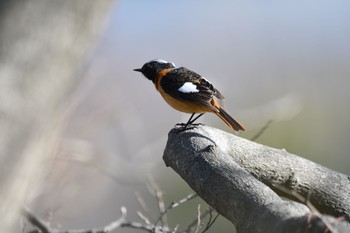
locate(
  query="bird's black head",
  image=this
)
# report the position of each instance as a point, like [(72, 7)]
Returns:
[(151, 69)]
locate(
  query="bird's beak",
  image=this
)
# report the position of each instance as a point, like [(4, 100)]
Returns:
[(138, 70)]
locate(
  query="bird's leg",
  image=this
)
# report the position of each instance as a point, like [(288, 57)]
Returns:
[(191, 121)]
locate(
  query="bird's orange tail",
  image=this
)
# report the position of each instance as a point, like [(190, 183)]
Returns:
[(232, 123)]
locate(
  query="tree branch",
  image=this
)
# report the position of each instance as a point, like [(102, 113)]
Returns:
[(159, 227), (230, 174), (120, 222)]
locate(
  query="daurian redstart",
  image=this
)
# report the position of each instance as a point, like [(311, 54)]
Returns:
[(186, 91)]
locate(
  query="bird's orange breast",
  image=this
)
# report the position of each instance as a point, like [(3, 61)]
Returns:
[(183, 106)]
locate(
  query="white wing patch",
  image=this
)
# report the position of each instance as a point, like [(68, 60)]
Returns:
[(188, 87)]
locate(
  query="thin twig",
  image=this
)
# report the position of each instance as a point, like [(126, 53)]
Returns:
[(194, 223), (157, 192), (118, 223), (198, 218), (262, 130), (136, 225), (175, 229), (211, 220), (44, 227), (121, 222), (175, 204), (143, 205), (143, 217)]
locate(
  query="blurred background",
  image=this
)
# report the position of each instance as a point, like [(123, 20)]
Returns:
[(273, 60)]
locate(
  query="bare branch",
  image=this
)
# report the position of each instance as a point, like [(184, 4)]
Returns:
[(121, 222), (44, 227), (144, 218), (143, 204), (192, 225), (136, 225), (116, 224), (211, 221), (198, 219), (158, 193), (175, 229), (176, 204), (261, 131)]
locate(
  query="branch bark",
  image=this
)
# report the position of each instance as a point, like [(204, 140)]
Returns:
[(236, 177)]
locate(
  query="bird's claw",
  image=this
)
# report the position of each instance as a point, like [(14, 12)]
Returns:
[(184, 126)]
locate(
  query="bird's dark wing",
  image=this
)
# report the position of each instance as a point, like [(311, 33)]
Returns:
[(186, 85)]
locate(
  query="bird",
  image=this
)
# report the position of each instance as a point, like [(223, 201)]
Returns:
[(187, 91)]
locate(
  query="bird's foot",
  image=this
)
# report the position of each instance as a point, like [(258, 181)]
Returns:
[(184, 126)]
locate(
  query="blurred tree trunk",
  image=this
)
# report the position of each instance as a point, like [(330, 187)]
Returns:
[(42, 44)]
